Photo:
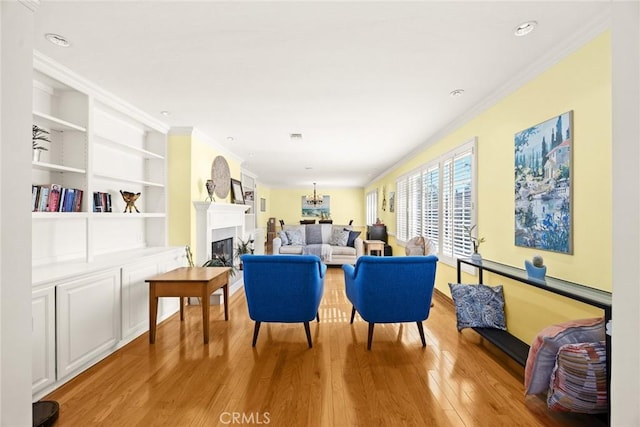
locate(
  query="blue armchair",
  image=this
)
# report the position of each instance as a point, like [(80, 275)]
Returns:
[(391, 289), (283, 288)]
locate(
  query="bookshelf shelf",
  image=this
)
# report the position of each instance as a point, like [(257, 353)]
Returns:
[(128, 148), (58, 215), (56, 168), (54, 123), (128, 180)]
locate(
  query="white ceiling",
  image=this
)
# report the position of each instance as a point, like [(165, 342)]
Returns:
[(365, 83)]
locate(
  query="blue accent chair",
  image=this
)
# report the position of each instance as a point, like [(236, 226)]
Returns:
[(283, 288), (391, 289)]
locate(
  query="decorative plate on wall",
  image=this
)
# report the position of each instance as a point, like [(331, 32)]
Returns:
[(221, 176)]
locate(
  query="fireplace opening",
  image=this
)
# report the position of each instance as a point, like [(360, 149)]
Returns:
[(223, 250)]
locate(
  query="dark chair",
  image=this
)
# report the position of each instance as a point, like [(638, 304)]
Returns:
[(281, 224), (283, 288), (307, 221), (391, 289), (350, 222), (325, 221)]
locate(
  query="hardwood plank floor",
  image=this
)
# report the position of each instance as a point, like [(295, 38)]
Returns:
[(457, 380)]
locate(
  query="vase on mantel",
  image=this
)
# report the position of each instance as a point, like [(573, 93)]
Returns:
[(36, 154), (476, 257)]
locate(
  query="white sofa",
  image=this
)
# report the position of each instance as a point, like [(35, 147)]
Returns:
[(324, 240)]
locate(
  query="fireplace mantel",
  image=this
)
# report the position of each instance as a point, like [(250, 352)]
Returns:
[(212, 216), (215, 221)]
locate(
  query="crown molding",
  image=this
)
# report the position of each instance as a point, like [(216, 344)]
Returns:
[(194, 132), (65, 75), (32, 5), (588, 32)]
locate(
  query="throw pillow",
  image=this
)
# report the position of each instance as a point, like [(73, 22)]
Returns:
[(314, 234), (478, 306), (339, 237), (283, 237), (545, 346), (353, 235), (579, 379), (295, 237)]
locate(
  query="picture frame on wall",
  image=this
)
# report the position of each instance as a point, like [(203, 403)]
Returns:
[(263, 204), (543, 185), (237, 195)]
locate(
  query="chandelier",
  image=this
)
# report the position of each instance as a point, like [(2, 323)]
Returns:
[(315, 199)]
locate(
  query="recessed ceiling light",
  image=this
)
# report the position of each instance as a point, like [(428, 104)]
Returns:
[(57, 39), (525, 28), (165, 113), (230, 139), (456, 93)]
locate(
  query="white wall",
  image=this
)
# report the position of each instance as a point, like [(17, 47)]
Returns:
[(16, 64), (625, 387)]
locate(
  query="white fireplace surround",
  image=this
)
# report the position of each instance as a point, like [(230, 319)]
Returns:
[(216, 221)]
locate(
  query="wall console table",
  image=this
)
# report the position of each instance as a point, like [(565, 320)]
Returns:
[(510, 344)]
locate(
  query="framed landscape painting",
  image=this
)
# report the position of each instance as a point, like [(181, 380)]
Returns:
[(318, 211), (543, 185)]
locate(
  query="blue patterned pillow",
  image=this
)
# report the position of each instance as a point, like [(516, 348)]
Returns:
[(478, 306), (283, 237), (295, 237), (339, 237)]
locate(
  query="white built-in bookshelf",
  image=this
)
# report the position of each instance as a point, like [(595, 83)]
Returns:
[(98, 144), (89, 294)]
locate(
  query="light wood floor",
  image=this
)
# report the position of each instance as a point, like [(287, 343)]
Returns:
[(179, 381)]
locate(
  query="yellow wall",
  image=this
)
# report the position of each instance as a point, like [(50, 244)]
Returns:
[(190, 161), (582, 83), (346, 204), (263, 192), (179, 209)]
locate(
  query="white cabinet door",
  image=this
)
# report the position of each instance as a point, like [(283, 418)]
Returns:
[(135, 298), (43, 339), (88, 320)]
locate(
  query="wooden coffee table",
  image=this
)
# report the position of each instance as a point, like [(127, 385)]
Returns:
[(188, 282), (373, 245)]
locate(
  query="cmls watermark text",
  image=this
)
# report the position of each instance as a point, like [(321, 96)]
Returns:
[(245, 418)]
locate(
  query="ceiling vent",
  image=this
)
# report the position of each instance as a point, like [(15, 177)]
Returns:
[(295, 136)]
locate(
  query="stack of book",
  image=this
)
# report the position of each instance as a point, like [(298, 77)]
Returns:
[(101, 202), (55, 198)]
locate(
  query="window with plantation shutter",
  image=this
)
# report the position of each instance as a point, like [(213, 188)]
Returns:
[(414, 205), (401, 210), (372, 207), (437, 201), (431, 203)]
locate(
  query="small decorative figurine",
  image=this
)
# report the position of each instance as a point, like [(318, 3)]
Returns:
[(130, 200), (536, 268), (211, 187)]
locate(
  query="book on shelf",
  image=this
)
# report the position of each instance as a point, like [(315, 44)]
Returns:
[(101, 202), (54, 198), (43, 199), (34, 197), (77, 201), (97, 201), (67, 205)]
